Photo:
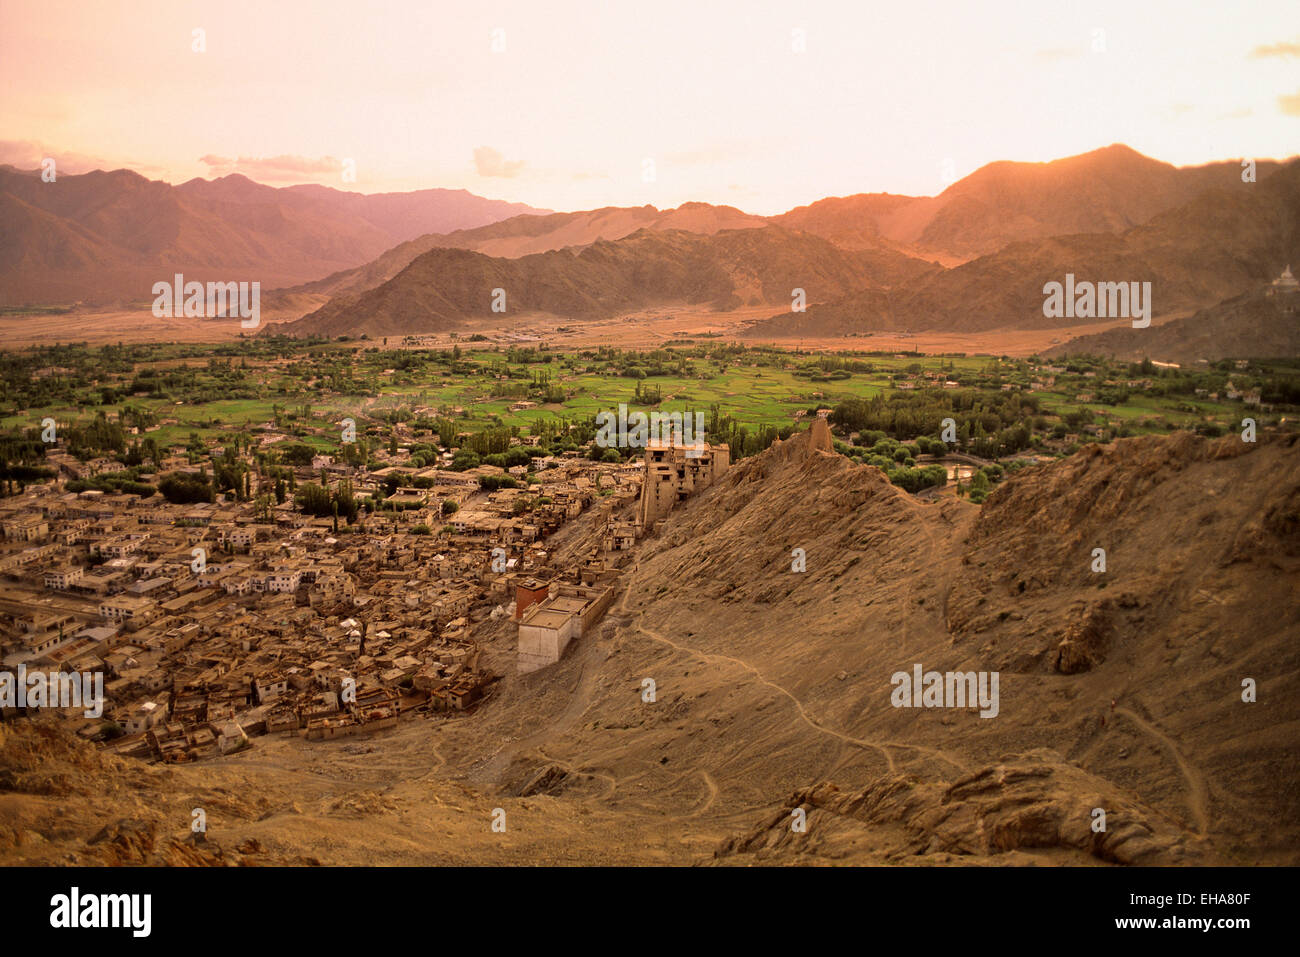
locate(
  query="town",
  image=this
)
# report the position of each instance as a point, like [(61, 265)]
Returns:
[(324, 541), (216, 622)]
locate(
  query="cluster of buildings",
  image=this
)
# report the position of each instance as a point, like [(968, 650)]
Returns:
[(552, 614), (215, 623)]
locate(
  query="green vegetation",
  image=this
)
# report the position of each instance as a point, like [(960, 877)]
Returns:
[(270, 405)]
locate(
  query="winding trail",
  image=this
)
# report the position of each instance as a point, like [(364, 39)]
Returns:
[(712, 785), (1198, 793), (625, 619), (586, 772), (803, 713)]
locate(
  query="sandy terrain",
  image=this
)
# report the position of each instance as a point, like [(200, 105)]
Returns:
[(648, 329), (773, 694)]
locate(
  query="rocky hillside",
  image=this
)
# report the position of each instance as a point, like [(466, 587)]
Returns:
[(1254, 325), (1119, 689), (773, 694)]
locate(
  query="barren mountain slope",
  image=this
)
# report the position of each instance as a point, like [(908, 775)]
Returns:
[(1119, 690), (1107, 190), (527, 234), (1202, 544), (1253, 325), (107, 237), (441, 288), (1223, 243)]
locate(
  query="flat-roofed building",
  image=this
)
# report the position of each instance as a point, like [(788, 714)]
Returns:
[(128, 608), (64, 577), (548, 626), (25, 528), (673, 472), (545, 631)]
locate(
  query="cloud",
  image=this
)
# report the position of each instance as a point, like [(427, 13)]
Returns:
[(27, 154), (1289, 104), (489, 162), (280, 169), (1284, 49)]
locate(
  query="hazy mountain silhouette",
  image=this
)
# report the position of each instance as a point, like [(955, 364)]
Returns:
[(108, 236), (444, 286)]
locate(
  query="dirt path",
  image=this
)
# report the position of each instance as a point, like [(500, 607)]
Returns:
[(1198, 799), (803, 713), (712, 785)]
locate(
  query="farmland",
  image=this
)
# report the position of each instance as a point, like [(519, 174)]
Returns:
[(175, 391)]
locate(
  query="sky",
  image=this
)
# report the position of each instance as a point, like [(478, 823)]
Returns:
[(575, 105)]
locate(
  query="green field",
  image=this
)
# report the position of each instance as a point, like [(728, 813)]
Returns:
[(311, 387)]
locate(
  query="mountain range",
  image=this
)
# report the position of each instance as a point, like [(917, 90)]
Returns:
[(734, 267), (1105, 191), (973, 258), (1201, 235), (106, 237), (1224, 242)]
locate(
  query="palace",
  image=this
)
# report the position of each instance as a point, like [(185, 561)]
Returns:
[(673, 472)]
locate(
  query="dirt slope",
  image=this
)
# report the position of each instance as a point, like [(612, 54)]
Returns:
[(1119, 690), (1254, 325)]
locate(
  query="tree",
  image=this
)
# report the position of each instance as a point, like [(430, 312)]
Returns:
[(312, 499), (181, 488), (464, 459)]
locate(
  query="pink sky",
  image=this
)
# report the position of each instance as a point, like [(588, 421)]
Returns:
[(883, 98)]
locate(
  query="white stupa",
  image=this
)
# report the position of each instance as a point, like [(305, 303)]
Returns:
[(1284, 283)]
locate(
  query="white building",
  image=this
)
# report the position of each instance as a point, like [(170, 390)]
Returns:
[(61, 579), (143, 717)]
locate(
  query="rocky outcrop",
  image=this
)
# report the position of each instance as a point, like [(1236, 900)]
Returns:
[(1028, 802)]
